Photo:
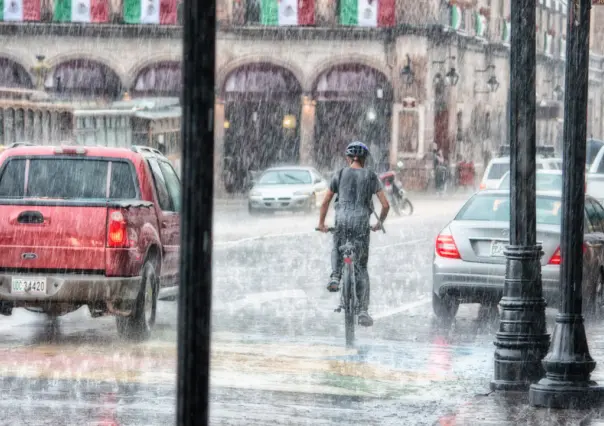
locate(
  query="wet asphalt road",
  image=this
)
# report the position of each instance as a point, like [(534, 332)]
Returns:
[(278, 347)]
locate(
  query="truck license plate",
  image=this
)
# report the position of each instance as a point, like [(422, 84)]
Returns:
[(25, 285)]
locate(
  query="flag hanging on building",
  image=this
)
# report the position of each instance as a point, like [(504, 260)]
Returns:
[(480, 22), (81, 11), (20, 10), (150, 12), (367, 13), (287, 12), (456, 15)]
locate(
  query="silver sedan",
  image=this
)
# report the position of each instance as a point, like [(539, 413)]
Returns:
[(469, 265), (293, 188)]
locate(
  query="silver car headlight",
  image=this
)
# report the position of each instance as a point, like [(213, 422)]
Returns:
[(255, 194)]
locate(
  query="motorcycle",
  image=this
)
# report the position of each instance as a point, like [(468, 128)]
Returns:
[(395, 193)]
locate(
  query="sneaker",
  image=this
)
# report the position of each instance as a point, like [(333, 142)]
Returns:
[(333, 286), (364, 319)]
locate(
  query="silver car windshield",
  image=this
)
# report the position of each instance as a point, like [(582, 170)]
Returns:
[(496, 208), (285, 177)]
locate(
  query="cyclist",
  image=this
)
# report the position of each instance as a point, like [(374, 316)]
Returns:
[(354, 185)]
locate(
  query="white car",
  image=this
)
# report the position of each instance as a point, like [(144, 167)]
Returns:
[(498, 167), (293, 188)]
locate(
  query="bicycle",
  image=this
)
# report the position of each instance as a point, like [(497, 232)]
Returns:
[(349, 300)]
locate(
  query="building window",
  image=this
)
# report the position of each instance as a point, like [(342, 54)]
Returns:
[(252, 11)]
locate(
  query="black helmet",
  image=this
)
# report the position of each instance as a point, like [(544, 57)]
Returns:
[(357, 149)]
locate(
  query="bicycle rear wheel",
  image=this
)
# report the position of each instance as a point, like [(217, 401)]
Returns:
[(348, 303)]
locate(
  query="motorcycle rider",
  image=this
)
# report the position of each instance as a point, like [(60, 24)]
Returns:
[(355, 186)]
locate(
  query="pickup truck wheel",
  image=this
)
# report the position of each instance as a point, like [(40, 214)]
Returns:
[(139, 324)]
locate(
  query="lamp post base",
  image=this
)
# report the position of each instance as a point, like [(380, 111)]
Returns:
[(558, 394)]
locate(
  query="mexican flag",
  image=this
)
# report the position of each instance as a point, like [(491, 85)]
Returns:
[(287, 12), (480, 24), (81, 11), (506, 31), (20, 10), (456, 16), (367, 13), (150, 12)]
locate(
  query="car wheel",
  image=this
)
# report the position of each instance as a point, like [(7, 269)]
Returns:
[(445, 308), (138, 325)]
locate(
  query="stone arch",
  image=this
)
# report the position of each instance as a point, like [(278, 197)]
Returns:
[(225, 71), (147, 62), (21, 77), (113, 65), (83, 76), (163, 78), (363, 60)]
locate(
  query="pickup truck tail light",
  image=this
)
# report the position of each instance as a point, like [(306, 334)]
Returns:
[(556, 259), (117, 232)]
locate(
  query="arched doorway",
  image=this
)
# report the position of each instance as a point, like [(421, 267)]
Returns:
[(13, 75), (159, 79), (83, 78), (354, 102), (262, 121)]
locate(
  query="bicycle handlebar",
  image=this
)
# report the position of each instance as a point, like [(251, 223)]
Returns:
[(331, 229)]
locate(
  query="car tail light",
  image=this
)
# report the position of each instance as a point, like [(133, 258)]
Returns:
[(445, 246), (483, 186), (556, 259), (117, 232)]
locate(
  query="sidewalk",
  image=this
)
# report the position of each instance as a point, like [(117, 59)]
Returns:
[(512, 408)]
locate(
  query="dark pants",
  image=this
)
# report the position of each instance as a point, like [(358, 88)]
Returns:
[(356, 230)]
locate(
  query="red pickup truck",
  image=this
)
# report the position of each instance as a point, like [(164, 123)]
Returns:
[(89, 226)]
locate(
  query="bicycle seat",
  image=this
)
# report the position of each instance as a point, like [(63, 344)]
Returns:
[(347, 248)]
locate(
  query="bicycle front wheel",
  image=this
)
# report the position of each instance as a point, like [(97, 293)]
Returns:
[(348, 303)]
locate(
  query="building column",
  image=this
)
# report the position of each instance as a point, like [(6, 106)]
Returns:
[(396, 113), (307, 130), (219, 189)]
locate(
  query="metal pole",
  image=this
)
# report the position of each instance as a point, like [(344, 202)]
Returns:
[(195, 293), (568, 364), (522, 339)]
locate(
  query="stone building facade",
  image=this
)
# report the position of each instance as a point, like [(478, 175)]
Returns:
[(298, 94)]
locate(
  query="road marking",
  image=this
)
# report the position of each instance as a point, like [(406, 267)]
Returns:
[(402, 308), (404, 243), (258, 237), (257, 298)]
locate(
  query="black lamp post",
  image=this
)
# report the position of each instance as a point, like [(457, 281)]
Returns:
[(558, 92), (568, 364), (522, 339), (195, 292), (451, 77), (493, 84)]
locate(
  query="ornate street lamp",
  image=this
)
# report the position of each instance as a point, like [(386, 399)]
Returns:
[(41, 70), (522, 339), (568, 365), (493, 84), (407, 73), (451, 77)]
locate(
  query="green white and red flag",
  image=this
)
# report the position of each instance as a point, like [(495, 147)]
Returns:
[(81, 11), (162, 12), (287, 12), (20, 10), (367, 13)]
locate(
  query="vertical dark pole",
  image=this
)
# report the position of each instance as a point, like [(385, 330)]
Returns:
[(195, 294), (522, 339), (568, 364)]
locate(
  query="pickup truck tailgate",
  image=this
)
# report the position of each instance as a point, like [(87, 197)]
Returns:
[(53, 237)]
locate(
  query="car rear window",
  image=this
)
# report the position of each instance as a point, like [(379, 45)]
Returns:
[(68, 178), (285, 177), (544, 182), (498, 170), (496, 208)]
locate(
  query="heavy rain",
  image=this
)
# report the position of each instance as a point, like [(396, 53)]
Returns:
[(451, 152)]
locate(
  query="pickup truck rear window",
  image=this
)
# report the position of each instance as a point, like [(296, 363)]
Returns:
[(68, 178)]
